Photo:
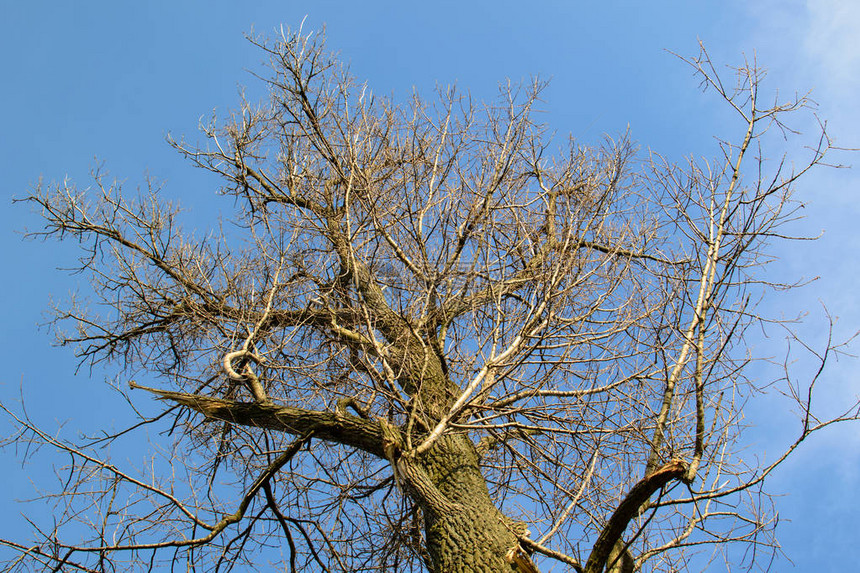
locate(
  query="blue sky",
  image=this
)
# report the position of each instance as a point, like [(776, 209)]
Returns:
[(88, 82)]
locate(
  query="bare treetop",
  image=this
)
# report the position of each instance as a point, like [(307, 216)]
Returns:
[(430, 338)]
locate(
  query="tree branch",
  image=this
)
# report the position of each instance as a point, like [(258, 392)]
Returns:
[(340, 428), (628, 509)]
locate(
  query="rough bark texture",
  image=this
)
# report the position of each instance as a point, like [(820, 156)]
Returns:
[(469, 533), (471, 539)]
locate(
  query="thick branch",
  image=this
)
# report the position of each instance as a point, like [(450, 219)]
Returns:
[(628, 509), (340, 428)]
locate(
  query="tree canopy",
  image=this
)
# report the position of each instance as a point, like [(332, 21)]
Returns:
[(431, 337)]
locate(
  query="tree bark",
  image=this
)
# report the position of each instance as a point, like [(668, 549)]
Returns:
[(465, 531), (471, 539)]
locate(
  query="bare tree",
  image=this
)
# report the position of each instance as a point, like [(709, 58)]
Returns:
[(428, 341)]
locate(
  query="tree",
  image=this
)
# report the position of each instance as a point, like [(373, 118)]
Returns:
[(427, 341)]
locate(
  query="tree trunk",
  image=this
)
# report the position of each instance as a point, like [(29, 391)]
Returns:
[(465, 531), (470, 539)]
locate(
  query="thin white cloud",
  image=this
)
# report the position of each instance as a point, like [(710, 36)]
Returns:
[(815, 44), (832, 43), (812, 45)]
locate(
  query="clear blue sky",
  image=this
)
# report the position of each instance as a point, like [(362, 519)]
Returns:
[(97, 81)]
